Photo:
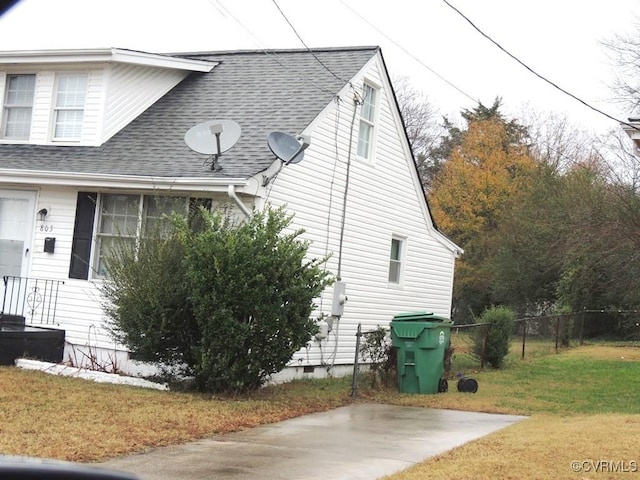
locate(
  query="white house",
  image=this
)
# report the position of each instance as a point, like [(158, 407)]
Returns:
[(90, 138)]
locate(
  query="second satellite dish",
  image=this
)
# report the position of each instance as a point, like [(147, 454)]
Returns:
[(286, 147), (213, 137)]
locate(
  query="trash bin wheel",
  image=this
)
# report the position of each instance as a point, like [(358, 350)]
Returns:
[(467, 385), (470, 385), (443, 386)]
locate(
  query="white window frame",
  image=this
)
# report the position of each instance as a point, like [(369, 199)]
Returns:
[(397, 265), (142, 220), (368, 121), (104, 234), (9, 106), (76, 105)]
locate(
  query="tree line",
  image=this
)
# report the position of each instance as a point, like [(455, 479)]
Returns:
[(548, 216)]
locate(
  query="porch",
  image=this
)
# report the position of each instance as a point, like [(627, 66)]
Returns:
[(27, 320)]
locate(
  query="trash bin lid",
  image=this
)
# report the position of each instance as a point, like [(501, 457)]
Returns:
[(419, 317)]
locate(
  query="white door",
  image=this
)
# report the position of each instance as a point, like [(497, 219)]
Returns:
[(17, 211)]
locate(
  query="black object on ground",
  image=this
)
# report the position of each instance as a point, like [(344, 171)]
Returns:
[(467, 385)]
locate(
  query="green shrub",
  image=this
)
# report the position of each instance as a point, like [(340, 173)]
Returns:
[(145, 299), (228, 304), (491, 341), (377, 350)]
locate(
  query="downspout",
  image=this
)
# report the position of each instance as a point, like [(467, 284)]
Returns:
[(231, 191)]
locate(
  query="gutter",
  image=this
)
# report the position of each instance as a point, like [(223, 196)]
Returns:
[(72, 179), (100, 55)]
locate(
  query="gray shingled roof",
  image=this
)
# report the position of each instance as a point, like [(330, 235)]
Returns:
[(262, 92)]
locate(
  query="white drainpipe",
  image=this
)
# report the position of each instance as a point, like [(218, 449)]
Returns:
[(231, 191)]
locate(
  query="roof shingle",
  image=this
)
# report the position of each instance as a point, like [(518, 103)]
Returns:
[(261, 91)]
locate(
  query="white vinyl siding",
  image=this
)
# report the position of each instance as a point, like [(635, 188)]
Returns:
[(58, 110), (79, 302), (18, 106), (71, 93), (42, 108), (131, 90), (384, 199), (114, 95)]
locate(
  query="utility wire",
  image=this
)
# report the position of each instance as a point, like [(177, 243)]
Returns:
[(409, 53), (219, 6), (357, 102), (541, 77), (306, 46)]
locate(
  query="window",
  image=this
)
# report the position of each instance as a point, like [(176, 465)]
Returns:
[(69, 106), (124, 218), (118, 223), (367, 119), (18, 106), (121, 218), (395, 260)]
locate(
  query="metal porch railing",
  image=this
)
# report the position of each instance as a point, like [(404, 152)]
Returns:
[(34, 299)]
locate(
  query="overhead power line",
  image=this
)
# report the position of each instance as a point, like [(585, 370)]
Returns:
[(541, 77), (219, 6), (451, 84), (305, 45)]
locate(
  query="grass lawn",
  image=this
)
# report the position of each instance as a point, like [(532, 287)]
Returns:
[(71, 419), (584, 406)]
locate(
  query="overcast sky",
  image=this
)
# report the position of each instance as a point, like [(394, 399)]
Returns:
[(560, 39)]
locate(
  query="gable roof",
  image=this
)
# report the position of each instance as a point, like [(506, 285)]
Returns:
[(262, 91)]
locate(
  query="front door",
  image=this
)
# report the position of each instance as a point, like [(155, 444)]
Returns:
[(17, 211)]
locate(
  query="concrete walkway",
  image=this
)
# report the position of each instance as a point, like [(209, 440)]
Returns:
[(356, 442)]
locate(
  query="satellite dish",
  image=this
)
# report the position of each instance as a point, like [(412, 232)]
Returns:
[(213, 137), (287, 148)]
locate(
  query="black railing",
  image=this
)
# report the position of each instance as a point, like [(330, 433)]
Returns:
[(33, 299)]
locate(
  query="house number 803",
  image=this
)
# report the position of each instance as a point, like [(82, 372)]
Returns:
[(46, 228)]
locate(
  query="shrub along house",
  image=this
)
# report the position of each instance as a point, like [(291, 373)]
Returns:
[(91, 140)]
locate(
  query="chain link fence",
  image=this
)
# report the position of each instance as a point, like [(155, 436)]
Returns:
[(544, 335), (531, 337)]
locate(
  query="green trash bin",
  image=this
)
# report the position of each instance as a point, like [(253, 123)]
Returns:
[(420, 340)]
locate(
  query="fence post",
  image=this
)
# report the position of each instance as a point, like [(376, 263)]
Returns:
[(524, 336), (582, 323), (557, 331), (354, 381), (484, 346)]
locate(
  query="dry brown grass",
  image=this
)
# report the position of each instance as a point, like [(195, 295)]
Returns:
[(70, 419), (542, 447), (545, 445), (605, 352)]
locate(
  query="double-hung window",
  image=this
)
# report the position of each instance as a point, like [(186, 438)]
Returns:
[(396, 260), (367, 121), (118, 226), (125, 218), (18, 106), (122, 220), (69, 106), (157, 210)]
